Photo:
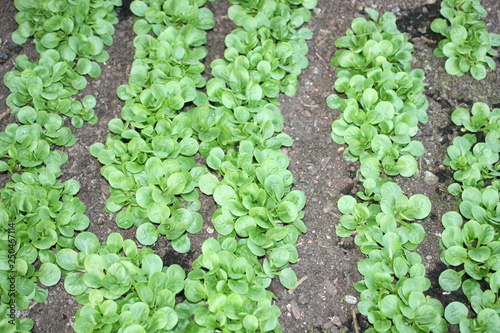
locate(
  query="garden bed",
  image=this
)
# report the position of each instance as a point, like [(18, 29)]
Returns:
[(325, 299)]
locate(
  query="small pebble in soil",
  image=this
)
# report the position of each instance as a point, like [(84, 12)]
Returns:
[(3, 57), (295, 310), (350, 299), (430, 178), (335, 320)]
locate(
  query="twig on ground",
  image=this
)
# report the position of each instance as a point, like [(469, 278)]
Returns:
[(426, 39), (324, 61), (5, 113), (355, 321)]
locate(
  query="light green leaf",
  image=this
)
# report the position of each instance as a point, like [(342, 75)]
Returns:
[(49, 274), (288, 278), (478, 71), (452, 66), (147, 234)]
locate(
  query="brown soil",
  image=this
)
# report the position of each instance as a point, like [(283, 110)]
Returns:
[(327, 264)]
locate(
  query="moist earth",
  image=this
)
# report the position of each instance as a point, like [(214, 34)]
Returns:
[(325, 300)]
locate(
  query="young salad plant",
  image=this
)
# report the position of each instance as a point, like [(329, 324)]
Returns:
[(468, 46), (383, 105), (471, 241), (235, 124), (149, 160), (121, 288), (384, 102), (41, 210)]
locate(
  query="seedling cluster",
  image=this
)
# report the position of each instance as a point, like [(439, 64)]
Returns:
[(380, 113), (179, 134), (471, 240), (172, 119), (70, 37), (467, 44)]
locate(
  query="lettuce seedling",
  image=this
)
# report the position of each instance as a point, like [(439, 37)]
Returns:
[(46, 216), (487, 319), (472, 162), (233, 284), (125, 290), (474, 246), (12, 325), (467, 44), (384, 101), (379, 116)]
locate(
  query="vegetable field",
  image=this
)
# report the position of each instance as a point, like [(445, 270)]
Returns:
[(205, 166)]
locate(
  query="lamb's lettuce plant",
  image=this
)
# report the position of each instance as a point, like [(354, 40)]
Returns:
[(479, 118), (42, 210), (392, 214), (149, 159), (470, 241), (475, 162), (120, 286), (384, 103), (27, 146), (383, 106), (468, 46), (233, 282)]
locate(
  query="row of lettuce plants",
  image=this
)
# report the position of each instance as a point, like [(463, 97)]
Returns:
[(149, 161), (39, 213), (150, 165), (471, 240), (380, 113), (259, 217), (467, 44), (154, 176)]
